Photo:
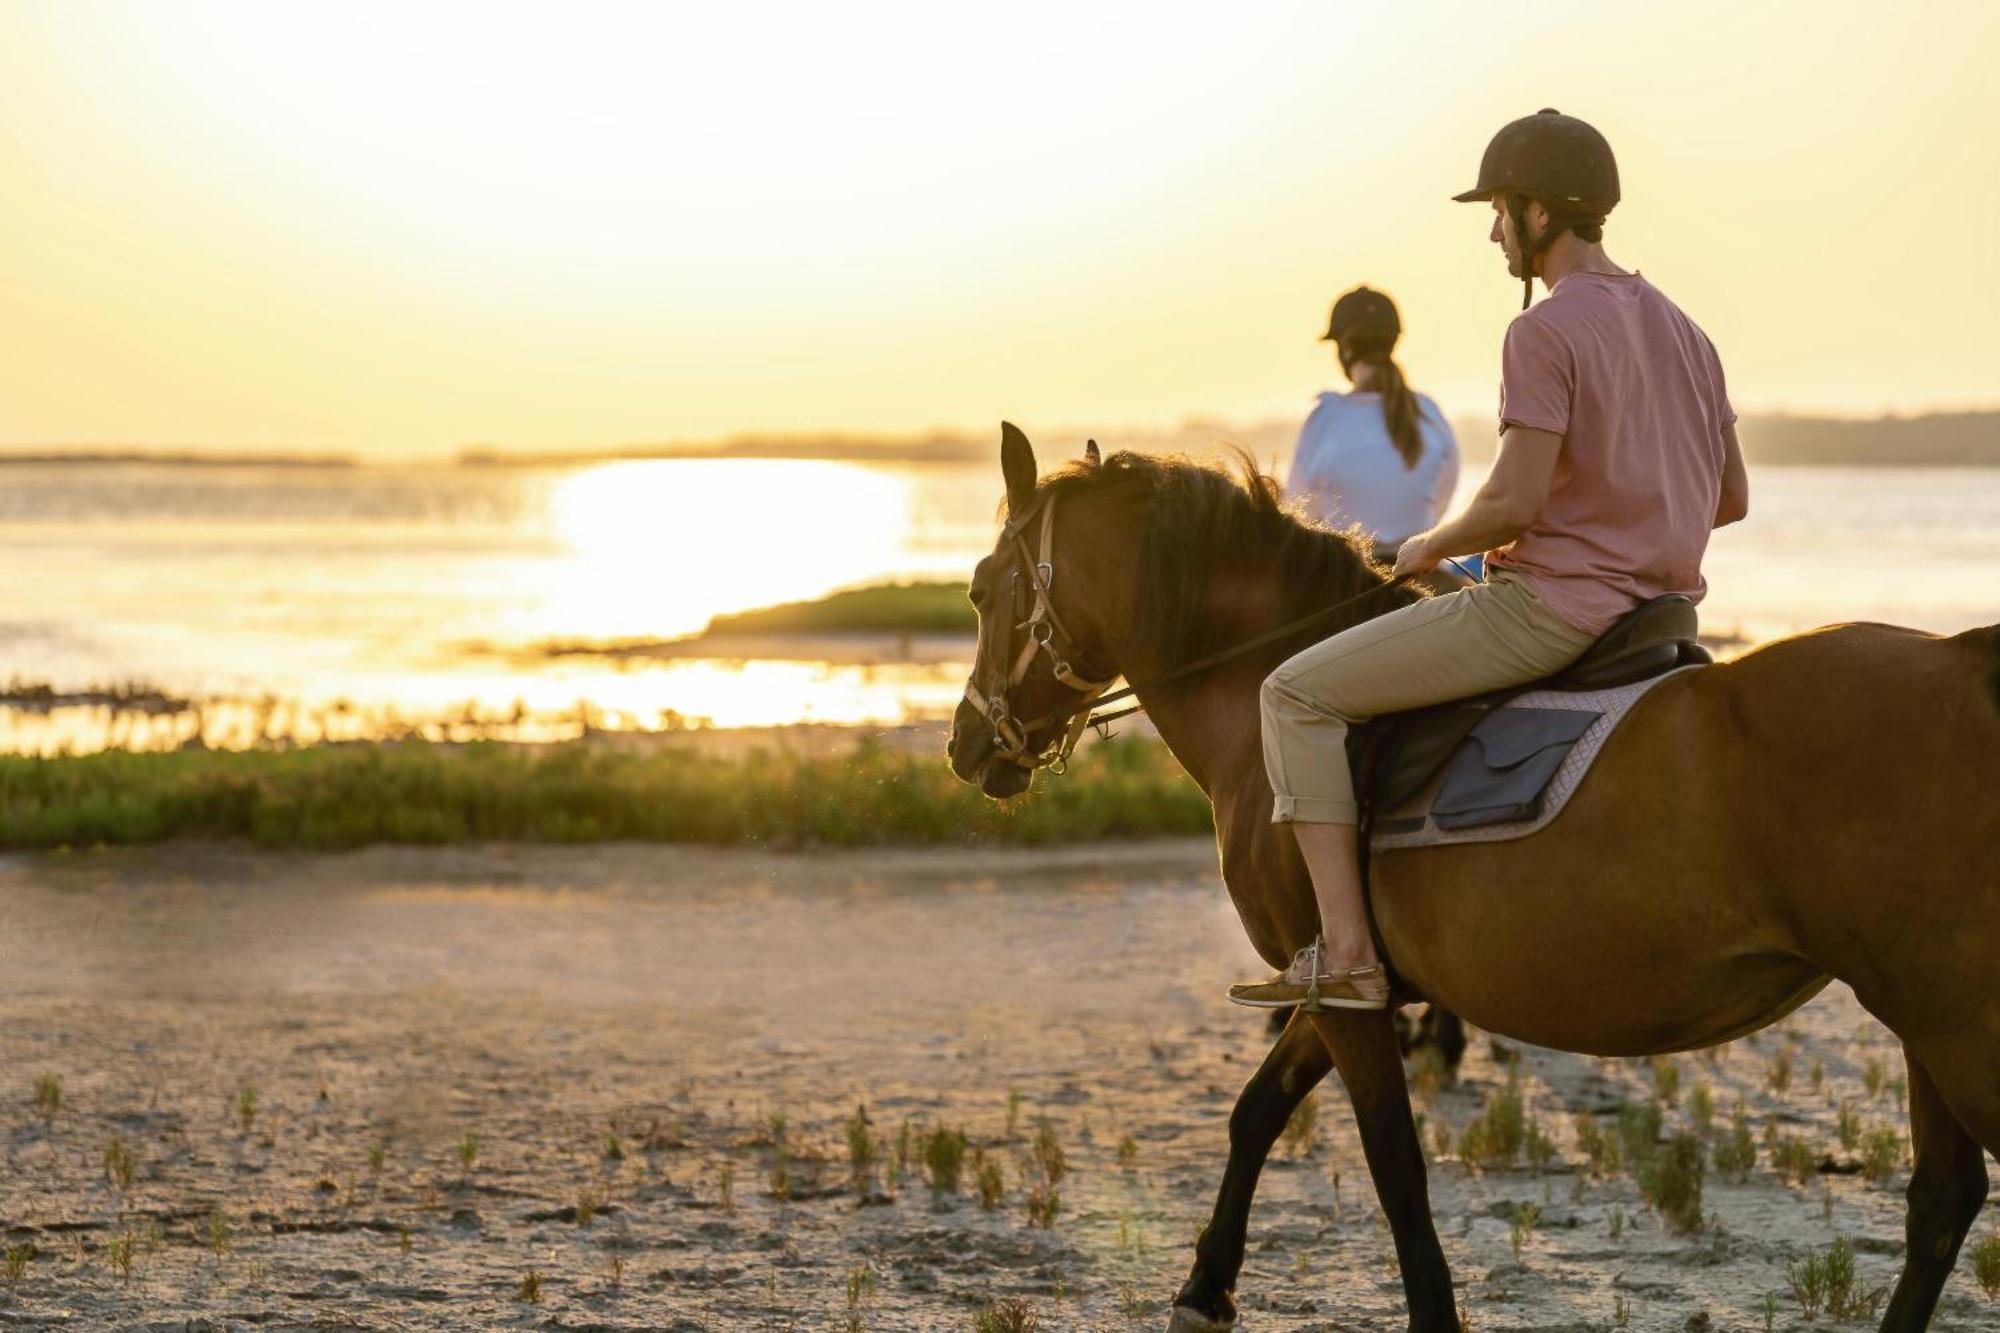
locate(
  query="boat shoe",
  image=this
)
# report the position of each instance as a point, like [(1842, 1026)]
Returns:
[(1307, 985)]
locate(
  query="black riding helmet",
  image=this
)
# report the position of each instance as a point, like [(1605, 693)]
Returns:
[(1558, 159), (1363, 321)]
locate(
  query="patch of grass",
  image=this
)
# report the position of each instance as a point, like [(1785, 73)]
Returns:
[(726, 1186), (890, 608), (987, 1180), (1666, 1079), (120, 1252), (1006, 1316), (612, 1148), (119, 1166), (1013, 1114), (1048, 1152), (1779, 1072), (590, 1201), (1639, 1130), (1881, 1154), (48, 1097), (862, 1149), (944, 1159), (332, 797), (1826, 1280), (1599, 1148), (1701, 1110), (1521, 1224), (1794, 1160), (218, 1235), (1496, 1136), (468, 1150), (1128, 1151), (1816, 1076), (1736, 1151), (530, 1289), (1873, 1071), (1848, 1126), (1671, 1181), (1986, 1264), (1540, 1150), (14, 1264), (246, 1106)]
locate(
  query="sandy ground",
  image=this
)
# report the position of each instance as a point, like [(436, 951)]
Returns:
[(386, 1004)]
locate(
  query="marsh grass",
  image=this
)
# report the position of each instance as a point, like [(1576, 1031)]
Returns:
[(1521, 1224), (1778, 1073), (987, 1179), (329, 797), (1302, 1126), (1794, 1160), (119, 1166), (529, 1292), (14, 1264), (1736, 1151), (1496, 1136), (863, 1150), (246, 1106), (124, 1247), (1008, 1315), (467, 1150), (1873, 1071), (1881, 1154), (1639, 1128), (1848, 1126), (1128, 1151), (1599, 1149), (1666, 1079), (1825, 1280), (944, 1160), (1701, 1110), (1986, 1264), (726, 1186), (48, 1097), (1671, 1181)]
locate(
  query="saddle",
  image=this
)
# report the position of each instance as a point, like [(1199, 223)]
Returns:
[(1395, 755)]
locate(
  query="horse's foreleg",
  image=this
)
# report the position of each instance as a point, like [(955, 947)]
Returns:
[(1294, 1066), (1364, 1050), (1945, 1193)]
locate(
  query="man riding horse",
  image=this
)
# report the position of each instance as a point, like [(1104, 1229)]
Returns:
[(1618, 455)]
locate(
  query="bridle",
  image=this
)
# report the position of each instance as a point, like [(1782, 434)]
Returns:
[(1045, 633)]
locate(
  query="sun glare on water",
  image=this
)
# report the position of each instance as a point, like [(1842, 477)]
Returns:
[(662, 545)]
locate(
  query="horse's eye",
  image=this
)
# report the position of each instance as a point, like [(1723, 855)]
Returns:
[(976, 593)]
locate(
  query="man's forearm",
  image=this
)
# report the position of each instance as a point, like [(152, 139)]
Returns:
[(1487, 522)]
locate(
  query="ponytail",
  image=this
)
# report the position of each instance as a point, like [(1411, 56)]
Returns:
[(1399, 408)]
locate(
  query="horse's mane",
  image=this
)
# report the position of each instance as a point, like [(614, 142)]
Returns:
[(1202, 519)]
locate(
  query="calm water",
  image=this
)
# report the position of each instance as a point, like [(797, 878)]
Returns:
[(346, 598)]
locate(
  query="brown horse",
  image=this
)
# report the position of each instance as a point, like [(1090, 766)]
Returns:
[(1821, 807)]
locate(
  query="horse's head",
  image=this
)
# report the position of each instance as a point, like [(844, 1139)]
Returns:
[(1046, 593)]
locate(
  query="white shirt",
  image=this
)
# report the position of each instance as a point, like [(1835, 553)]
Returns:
[(1347, 470)]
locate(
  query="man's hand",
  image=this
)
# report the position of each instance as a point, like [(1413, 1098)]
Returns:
[(1414, 556)]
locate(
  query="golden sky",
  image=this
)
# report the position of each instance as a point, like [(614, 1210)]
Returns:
[(394, 228)]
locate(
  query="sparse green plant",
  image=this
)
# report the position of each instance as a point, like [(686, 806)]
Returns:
[(862, 1148), (1049, 1155), (1495, 1137), (119, 1168), (1666, 1079), (617, 1266), (1440, 1140), (1899, 1088), (121, 1251), (1816, 1076), (468, 1150), (1778, 1073), (1848, 1126), (944, 1159), (1826, 1280), (1521, 1223), (860, 1286), (1617, 1221), (1621, 1314), (1671, 1181), (530, 1290), (987, 1179), (1302, 1127), (775, 1125), (1873, 1071), (778, 1179), (590, 1201), (1639, 1129), (1881, 1153), (14, 1264), (1128, 1150), (246, 1106), (1794, 1160), (905, 1150), (1599, 1148), (1736, 1151), (403, 1238), (1770, 1312), (218, 1235), (1541, 1151), (48, 1097), (1986, 1264), (378, 1155), (726, 1186), (1044, 1203), (1013, 1113), (1701, 1110), (612, 1148), (1008, 1315)]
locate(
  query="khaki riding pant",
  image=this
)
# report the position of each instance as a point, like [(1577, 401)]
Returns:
[(1485, 637)]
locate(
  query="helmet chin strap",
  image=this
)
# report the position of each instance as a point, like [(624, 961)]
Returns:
[(1517, 212)]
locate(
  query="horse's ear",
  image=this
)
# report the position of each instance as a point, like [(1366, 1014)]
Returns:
[(1090, 454), (1017, 465)]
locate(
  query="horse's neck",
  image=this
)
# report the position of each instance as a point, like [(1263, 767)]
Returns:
[(1212, 720)]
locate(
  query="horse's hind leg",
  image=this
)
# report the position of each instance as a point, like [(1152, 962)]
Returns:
[(1946, 1191), (1294, 1066)]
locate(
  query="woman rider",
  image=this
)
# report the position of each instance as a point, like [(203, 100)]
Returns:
[(1617, 456), (1382, 456)]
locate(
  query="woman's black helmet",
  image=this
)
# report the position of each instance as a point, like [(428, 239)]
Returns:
[(1558, 159)]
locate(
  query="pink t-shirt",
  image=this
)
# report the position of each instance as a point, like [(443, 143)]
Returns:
[(1636, 391)]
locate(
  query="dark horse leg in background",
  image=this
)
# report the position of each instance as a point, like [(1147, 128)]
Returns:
[(1372, 1068), (1436, 1027), (1293, 1068)]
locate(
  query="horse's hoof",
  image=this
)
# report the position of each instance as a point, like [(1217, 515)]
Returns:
[(1194, 1321)]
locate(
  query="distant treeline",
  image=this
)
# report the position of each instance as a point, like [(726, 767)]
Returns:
[(1945, 439)]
